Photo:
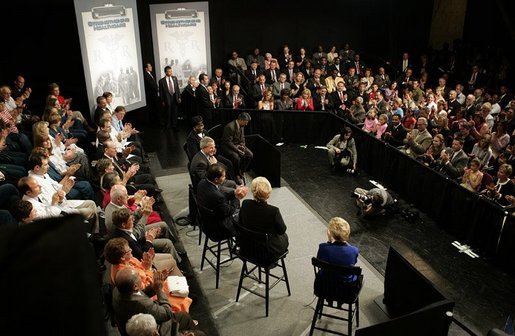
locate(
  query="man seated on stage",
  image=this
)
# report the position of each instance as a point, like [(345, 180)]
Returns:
[(193, 145), (233, 145), (202, 160), (223, 211)]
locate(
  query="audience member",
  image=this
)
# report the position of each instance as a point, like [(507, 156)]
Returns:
[(130, 299)]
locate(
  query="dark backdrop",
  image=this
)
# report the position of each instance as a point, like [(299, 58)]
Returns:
[(41, 42)]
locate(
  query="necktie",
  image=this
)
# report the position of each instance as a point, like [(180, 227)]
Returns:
[(235, 101), (170, 85), (263, 89), (273, 75), (282, 86), (253, 72)]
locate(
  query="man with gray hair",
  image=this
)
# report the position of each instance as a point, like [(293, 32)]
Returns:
[(142, 325), (418, 140), (162, 243), (201, 162)]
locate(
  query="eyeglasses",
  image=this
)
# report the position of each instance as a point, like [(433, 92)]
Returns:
[(129, 251)]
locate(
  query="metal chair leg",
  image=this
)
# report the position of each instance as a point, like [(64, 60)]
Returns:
[(218, 263), (242, 275), (267, 290), (286, 277), (204, 254)]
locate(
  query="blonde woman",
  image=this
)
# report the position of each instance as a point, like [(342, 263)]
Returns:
[(337, 249), (258, 215), (305, 102)]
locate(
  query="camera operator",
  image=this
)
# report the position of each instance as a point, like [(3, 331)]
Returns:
[(373, 202)]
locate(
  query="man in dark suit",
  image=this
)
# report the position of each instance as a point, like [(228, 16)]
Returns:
[(235, 100), (233, 144), (395, 133), (170, 98), (253, 72), (204, 104), (188, 100), (151, 92), (201, 162), (258, 89), (290, 71), (193, 146), (454, 159), (215, 206), (323, 100), (272, 74), (123, 225), (130, 299)]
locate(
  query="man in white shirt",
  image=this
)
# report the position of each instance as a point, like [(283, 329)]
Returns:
[(38, 167)]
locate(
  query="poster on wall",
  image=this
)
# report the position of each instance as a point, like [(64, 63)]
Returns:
[(111, 51), (181, 39)]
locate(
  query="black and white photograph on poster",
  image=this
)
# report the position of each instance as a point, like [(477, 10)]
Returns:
[(111, 52), (182, 36)]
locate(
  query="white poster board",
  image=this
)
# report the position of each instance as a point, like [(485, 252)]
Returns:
[(181, 39), (111, 51)]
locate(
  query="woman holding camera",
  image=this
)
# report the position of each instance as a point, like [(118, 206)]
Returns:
[(342, 151)]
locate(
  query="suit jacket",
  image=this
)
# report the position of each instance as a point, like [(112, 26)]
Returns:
[(232, 136), (265, 218), (188, 102), (164, 92), (151, 87), (397, 135), (198, 168), (127, 305), (421, 142), (193, 143), (328, 106), (229, 101), (338, 253), (383, 83), (216, 208), (456, 165), (256, 93), (137, 246), (290, 77), (98, 114), (204, 104), (252, 77), (276, 88), (268, 75)]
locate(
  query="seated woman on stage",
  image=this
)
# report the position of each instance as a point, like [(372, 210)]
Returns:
[(118, 253), (337, 250), (258, 215)]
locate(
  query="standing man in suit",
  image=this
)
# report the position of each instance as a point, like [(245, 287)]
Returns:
[(188, 101), (170, 98), (233, 144), (152, 93), (204, 103)]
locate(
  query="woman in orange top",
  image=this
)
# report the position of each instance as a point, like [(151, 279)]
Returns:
[(118, 253)]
